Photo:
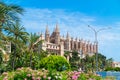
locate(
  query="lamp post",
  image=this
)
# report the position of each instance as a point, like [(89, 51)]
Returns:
[(80, 57), (96, 41)]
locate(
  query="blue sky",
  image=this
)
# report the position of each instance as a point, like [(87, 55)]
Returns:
[(74, 16)]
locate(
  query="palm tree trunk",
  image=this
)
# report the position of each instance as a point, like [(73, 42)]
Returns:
[(31, 58), (68, 58), (3, 51), (14, 57), (13, 65)]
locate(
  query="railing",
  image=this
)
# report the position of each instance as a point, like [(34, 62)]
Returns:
[(110, 73)]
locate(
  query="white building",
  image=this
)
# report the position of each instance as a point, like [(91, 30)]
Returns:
[(116, 64)]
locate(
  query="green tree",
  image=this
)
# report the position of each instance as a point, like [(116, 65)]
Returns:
[(8, 15), (18, 37), (31, 45), (67, 54), (74, 60), (89, 62), (1, 57), (54, 62), (17, 32), (109, 62)]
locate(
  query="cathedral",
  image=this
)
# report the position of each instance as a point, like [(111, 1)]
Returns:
[(55, 43)]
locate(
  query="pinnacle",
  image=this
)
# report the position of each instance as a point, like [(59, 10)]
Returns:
[(67, 36), (57, 28), (47, 30)]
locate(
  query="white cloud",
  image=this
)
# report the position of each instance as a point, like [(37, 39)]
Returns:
[(35, 20)]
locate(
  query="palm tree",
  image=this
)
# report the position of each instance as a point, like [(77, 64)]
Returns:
[(109, 62), (18, 37), (68, 54), (33, 40), (8, 15), (1, 58)]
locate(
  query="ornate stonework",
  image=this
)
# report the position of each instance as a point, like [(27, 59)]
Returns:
[(56, 44)]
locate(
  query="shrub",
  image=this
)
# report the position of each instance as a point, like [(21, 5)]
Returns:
[(29, 74), (112, 69), (109, 69), (1, 57), (117, 69), (83, 77), (54, 62)]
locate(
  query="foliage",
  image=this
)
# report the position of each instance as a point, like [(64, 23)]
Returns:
[(24, 53), (9, 24), (112, 69), (9, 13), (74, 60), (109, 69), (29, 74), (117, 69), (17, 32), (1, 57), (33, 39), (109, 62), (54, 62), (109, 78), (89, 62)]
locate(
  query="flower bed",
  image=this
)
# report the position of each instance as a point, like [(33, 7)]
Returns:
[(29, 74)]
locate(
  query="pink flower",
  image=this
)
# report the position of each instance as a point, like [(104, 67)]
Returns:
[(28, 75), (5, 73), (5, 78), (38, 78), (74, 77), (33, 74), (44, 76), (18, 68), (25, 79), (33, 78)]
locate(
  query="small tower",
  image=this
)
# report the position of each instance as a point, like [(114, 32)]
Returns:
[(57, 35), (47, 35), (41, 36), (72, 43), (76, 43), (68, 46), (88, 46), (62, 48), (67, 36)]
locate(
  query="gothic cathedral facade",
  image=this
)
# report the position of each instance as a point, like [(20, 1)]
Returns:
[(54, 43)]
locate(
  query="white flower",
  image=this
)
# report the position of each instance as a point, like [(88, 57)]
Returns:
[(60, 77), (49, 78), (56, 77)]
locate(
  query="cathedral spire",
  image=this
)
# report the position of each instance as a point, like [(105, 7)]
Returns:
[(47, 30), (57, 28), (76, 39), (47, 35), (67, 36)]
